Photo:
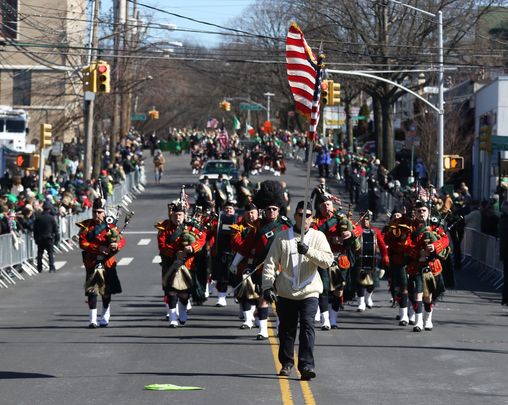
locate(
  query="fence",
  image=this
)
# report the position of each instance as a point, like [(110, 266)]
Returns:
[(18, 252), (481, 251)]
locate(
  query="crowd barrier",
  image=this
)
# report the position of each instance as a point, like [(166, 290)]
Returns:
[(481, 252), (18, 252)]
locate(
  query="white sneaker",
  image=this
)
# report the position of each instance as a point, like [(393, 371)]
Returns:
[(173, 318), (419, 323), (92, 318), (221, 302), (325, 320), (428, 321), (106, 313), (317, 317), (368, 300), (361, 304), (403, 318)]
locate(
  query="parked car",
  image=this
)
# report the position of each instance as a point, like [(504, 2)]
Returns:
[(213, 168)]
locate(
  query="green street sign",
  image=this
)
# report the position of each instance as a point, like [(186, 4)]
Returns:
[(251, 107), (138, 117), (359, 118)]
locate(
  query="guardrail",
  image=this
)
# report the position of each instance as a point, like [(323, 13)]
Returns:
[(18, 252), (481, 251)]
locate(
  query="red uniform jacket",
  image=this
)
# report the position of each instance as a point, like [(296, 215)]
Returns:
[(91, 242), (418, 242)]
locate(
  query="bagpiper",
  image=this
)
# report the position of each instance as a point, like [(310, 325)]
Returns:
[(269, 199), (428, 243), (372, 245), (178, 242), (222, 254), (100, 239)]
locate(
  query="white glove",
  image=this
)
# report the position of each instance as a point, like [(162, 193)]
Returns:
[(233, 268)]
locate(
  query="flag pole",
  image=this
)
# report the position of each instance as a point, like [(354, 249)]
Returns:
[(311, 138)]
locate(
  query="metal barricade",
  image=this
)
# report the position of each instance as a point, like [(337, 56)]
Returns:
[(482, 253), (17, 251)]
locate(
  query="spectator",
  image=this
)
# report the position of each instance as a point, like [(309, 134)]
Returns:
[(46, 236), (503, 248), (473, 220)]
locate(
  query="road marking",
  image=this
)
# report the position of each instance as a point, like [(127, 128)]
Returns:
[(144, 242), (285, 389), (139, 232), (125, 261), (59, 265), (156, 259)]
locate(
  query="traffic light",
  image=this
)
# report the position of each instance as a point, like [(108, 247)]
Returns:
[(334, 93), (103, 77), (153, 114), (325, 89), (45, 138), (486, 138), (225, 105), (453, 162), (90, 78)]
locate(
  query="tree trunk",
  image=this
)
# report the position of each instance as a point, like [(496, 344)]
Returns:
[(378, 127), (388, 133)]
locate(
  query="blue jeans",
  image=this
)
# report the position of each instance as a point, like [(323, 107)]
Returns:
[(291, 312)]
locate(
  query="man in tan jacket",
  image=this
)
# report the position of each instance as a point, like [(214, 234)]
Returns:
[(296, 288)]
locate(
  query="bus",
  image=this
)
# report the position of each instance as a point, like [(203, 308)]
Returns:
[(13, 128)]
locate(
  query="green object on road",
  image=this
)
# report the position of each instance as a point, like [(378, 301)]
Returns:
[(170, 387)]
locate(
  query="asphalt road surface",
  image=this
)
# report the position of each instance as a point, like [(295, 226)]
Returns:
[(48, 356)]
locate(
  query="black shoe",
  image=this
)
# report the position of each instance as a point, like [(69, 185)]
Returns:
[(402, 323), (417, 329), (335, 327), (307, 374), (92, 326), (52, 270), (285, 371), (260, 337), (325, 327)]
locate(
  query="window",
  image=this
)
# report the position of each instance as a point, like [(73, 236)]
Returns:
[(9, 19), (22, 88)]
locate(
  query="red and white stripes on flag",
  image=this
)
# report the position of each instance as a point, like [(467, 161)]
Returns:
[(304, 76)]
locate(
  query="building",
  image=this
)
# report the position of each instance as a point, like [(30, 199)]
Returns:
[(40, 62)]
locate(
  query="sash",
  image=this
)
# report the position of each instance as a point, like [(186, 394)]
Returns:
[(328, 224), (96, 231), (296, 283), (175, 235)]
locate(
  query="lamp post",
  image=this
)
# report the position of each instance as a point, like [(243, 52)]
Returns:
[(268, 95), (440, 119)]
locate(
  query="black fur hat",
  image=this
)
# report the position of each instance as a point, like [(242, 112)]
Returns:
[(99, 204), (270, 193)]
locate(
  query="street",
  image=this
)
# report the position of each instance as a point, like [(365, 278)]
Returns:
[(48, 356)]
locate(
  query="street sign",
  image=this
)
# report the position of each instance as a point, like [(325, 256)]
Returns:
[(358, 118), (431, 90), (138, 117), (500, 142), (251, 107)]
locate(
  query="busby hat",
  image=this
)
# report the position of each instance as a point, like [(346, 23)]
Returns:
[(178, 206), (300, 206), (269, 193), (99, 204), (229, 203)]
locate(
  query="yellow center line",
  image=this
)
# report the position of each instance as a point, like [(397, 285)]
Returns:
[(285, 389)]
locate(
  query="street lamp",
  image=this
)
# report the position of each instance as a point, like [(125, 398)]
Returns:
[(440, 119), (268, 95)]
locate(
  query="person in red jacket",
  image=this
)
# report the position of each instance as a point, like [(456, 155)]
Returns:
[(428, 243), (100, 241), (178, 241)]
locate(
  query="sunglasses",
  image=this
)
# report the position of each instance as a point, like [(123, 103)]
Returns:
[(98, 211), (306, 215), (271, 209)]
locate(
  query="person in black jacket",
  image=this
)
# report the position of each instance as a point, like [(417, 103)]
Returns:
[(46, 235)]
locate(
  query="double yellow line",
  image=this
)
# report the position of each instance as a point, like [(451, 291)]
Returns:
[(285, 388)]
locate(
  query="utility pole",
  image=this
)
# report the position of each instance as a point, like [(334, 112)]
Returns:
[(131, 43), (89, 96), (268, 96), (120, 15)]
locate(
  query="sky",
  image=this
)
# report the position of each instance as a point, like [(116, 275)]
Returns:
[(220, 12)]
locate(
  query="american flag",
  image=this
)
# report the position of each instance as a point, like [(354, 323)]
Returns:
[(304, 75), (212, 123)]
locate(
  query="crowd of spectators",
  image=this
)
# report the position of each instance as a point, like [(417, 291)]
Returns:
[(65, 190)]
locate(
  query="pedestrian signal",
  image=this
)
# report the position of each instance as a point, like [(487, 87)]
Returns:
[(153, 114), (89, 78), (453, 162)]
